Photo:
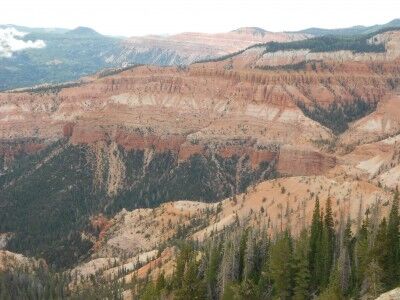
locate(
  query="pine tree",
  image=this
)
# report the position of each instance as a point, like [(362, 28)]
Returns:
[(249, 257), (230, 292), (374, 275), (149, 292), (265, 281), (192, 287), (380, 251), (247, 290), (185, 253), (301, 268), (322, 266), (393, 245), (263, 248), (315, 237), (330, 227), (344, 270), (347, 235), (229, 270), (242, 249), (280, 266), (211, 274), (333, 290), (160, 282), (362, 254)]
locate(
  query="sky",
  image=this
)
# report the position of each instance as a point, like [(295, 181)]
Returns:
[(133, 17)]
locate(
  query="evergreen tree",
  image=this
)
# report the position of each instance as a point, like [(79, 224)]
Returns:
[(362, 254), (211, 273), (330, 227), (344, 270), (315, 238), (280, 266), (374, 275), (229, 269), (160, 282), (242, 249), (301, 268), (347, 235), (380, 251), (149, 292), (333, 290), (393, 245), (230, 292), (185, 253), (265, 282), (247, 290), (249, 257), (322, 266), (192, 287)]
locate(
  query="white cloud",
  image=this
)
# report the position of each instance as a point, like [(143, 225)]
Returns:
[(10, 42), (138, 17)]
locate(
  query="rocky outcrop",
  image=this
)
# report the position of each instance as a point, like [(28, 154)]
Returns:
[(296, 161), (13, 261), (188, 47), (391, 295)]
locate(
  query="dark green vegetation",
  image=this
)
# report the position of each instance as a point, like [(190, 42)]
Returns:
[(46, 199), (301, 66), (329, 44), (25, 283), (328, 263), (40, 282), (113, 71), (45, 206), (337, 116), (201, 177), (352, 30)]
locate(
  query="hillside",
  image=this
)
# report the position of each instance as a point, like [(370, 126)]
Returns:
[(209, 178)]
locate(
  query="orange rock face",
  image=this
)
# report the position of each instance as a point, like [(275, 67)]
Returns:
[(303, 162), (230, 107)]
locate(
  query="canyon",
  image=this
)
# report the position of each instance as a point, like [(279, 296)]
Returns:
[(141, 155)]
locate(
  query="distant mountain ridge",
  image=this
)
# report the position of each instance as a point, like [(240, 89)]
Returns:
[(252, 30), (350, 30), (55, 55), (82, 31)]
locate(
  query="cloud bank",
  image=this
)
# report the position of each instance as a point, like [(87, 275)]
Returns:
[(10, 42)]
